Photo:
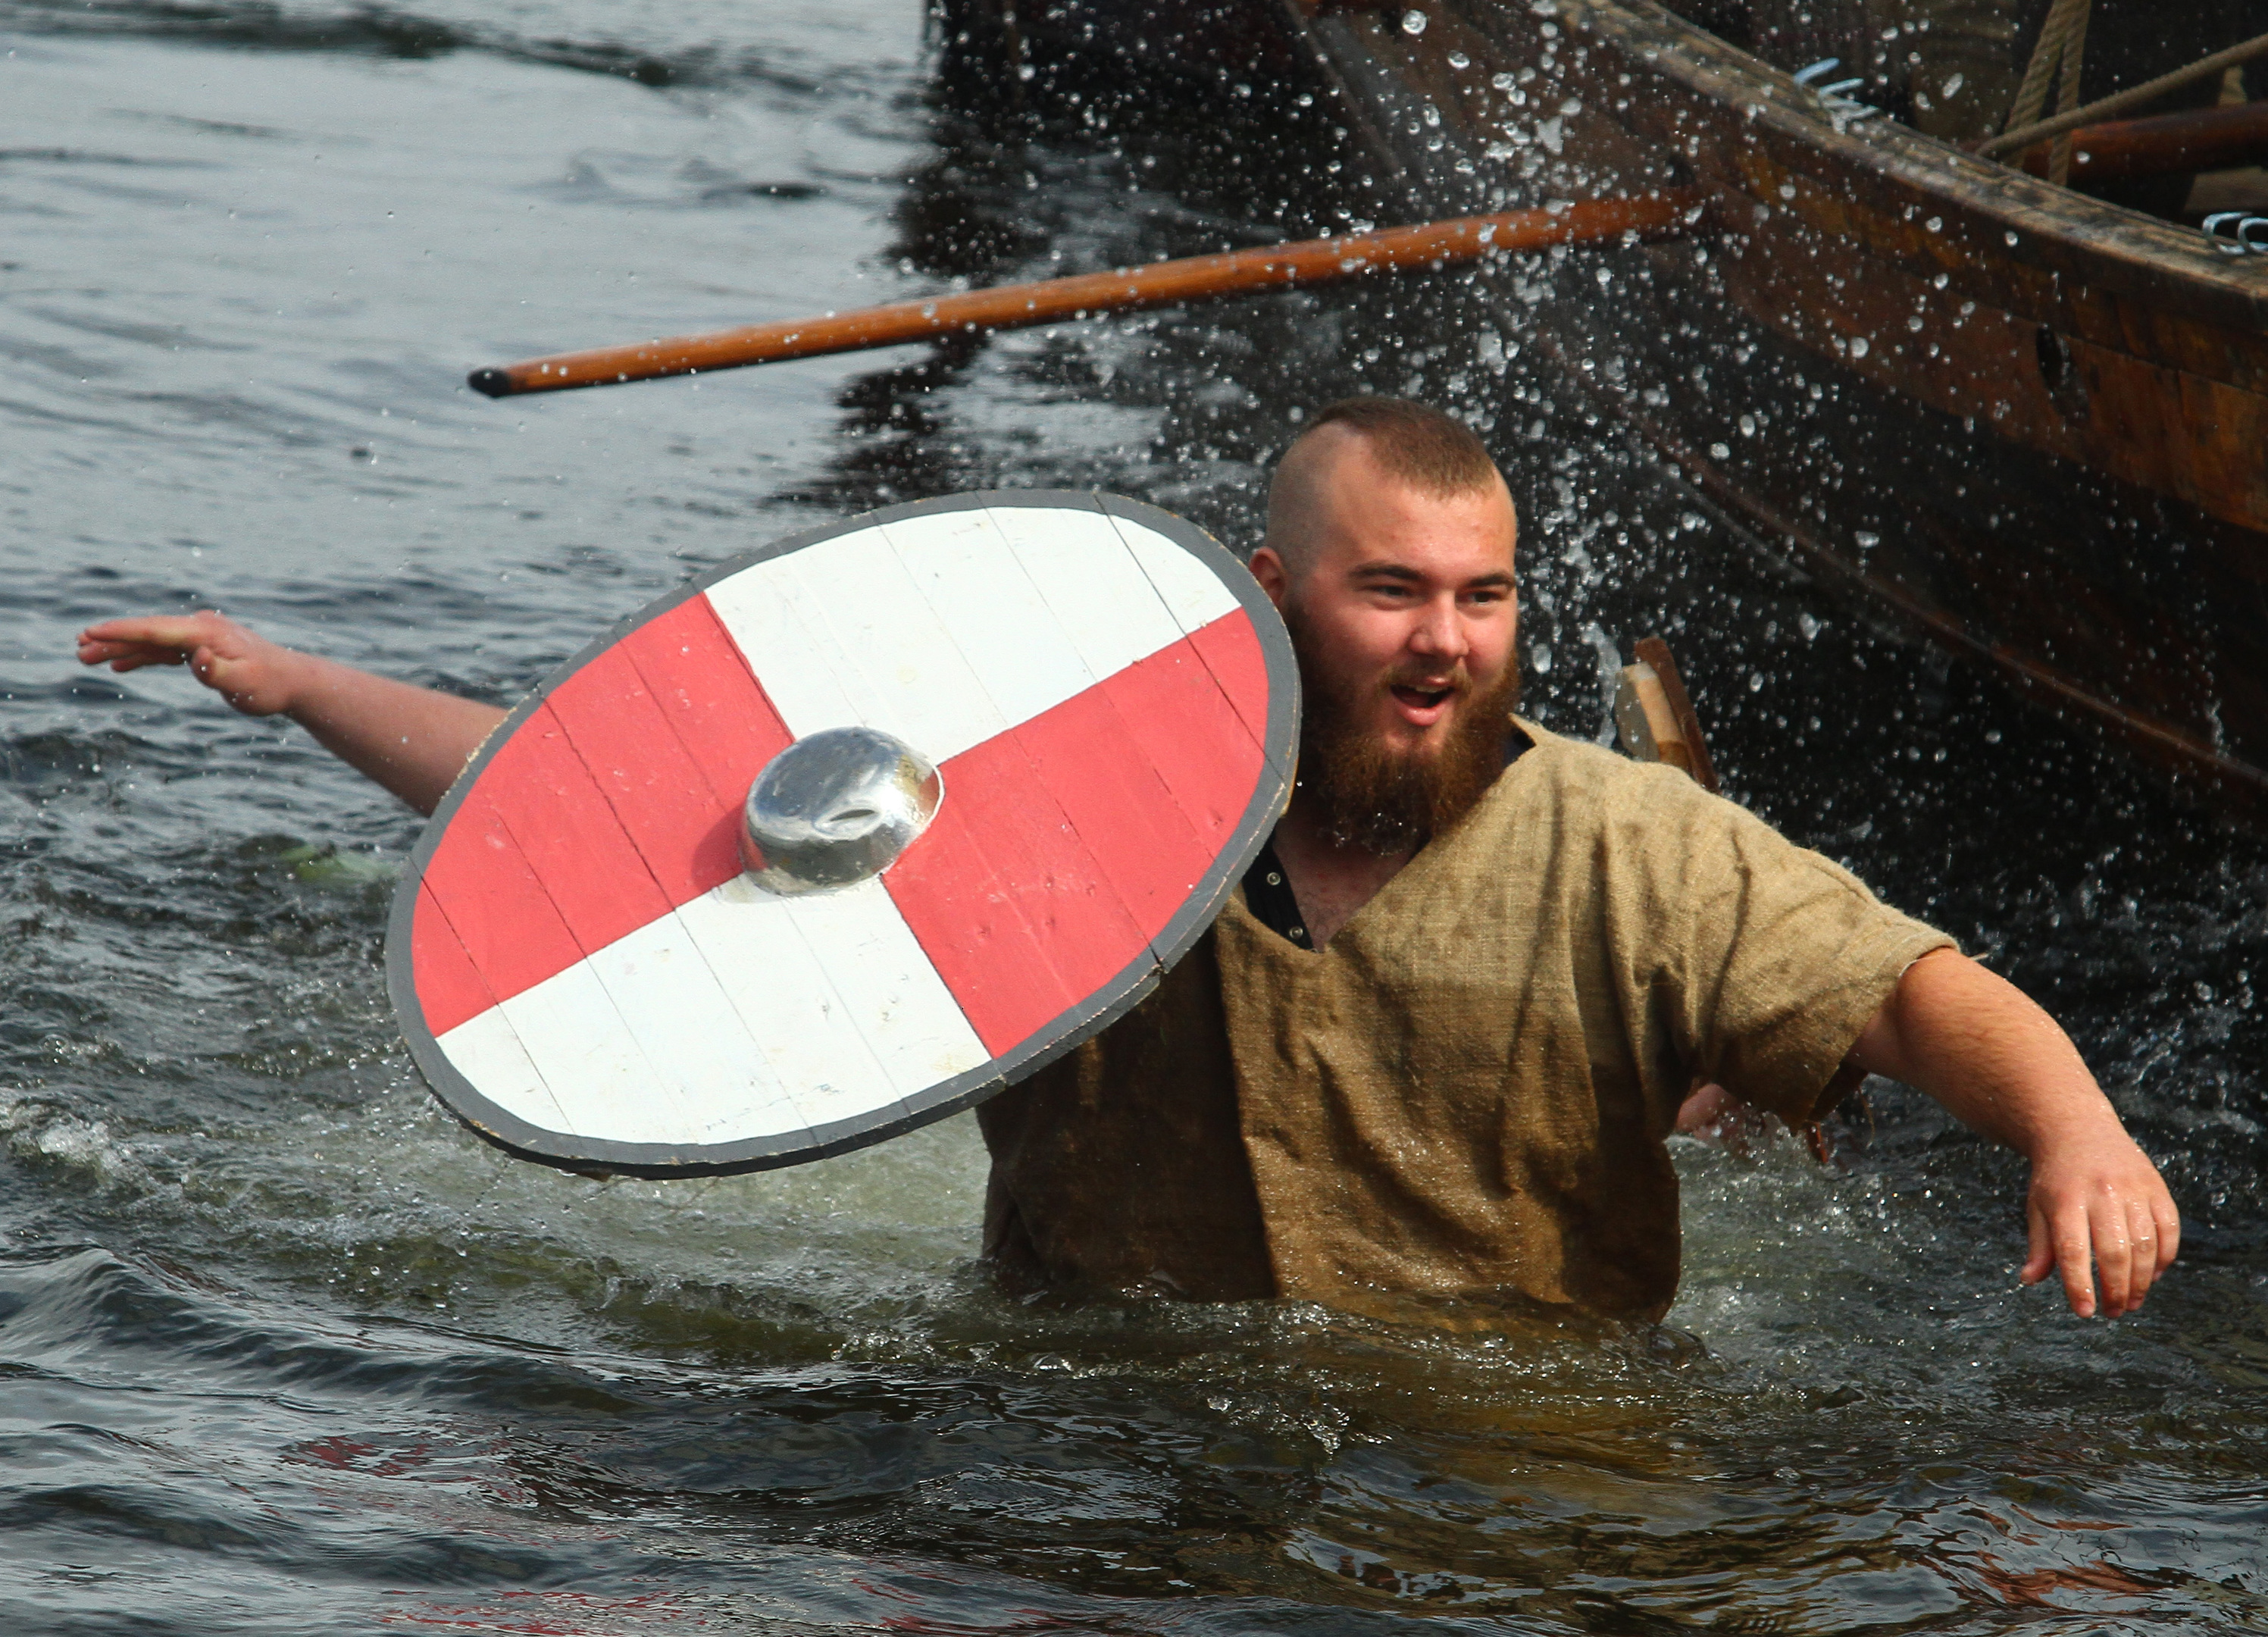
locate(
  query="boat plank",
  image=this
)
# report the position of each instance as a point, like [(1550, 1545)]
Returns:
[(2047, 454)]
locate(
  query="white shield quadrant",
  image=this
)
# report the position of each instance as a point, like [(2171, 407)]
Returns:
[(584, 972)]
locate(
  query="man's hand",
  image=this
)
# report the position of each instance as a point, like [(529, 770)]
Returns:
[(2100, 1198), (255, 675), (1977, 1044), (414, 741)]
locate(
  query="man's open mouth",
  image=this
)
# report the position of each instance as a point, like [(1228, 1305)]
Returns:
[(1421, 698)]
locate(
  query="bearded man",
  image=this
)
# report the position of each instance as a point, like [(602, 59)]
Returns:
[(1426, 1062), (1428, 1058)]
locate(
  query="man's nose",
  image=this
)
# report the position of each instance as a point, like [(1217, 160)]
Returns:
[(1440, 633)]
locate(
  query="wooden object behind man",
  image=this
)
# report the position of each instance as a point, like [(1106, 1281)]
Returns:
[(1655, 718)]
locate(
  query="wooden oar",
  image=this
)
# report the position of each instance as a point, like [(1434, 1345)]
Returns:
[(1161, 284)]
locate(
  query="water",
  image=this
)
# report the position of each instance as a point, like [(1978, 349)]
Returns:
[(287, 1351)]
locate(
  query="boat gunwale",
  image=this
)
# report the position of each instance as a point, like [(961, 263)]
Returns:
[(2099, 246), (2152, 289)]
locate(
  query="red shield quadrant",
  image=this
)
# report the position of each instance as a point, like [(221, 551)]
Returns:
[(585, 976)]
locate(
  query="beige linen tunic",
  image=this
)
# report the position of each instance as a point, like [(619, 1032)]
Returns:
[(1465, 1097)]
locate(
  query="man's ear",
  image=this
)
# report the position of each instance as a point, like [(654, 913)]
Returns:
[(1274, 577)]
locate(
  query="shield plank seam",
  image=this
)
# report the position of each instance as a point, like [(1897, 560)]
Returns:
[(585, 974)]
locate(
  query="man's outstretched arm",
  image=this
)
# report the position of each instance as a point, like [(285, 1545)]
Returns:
[(411, 740), (1980, 1046)]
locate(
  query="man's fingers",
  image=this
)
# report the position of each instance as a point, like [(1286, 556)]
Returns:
[(161, 631), (91, 651), (94, 651), (2039, 1254), (2104, 1211), (2142, 1239), (2114, 1255), (127, 656), (128, 644), (2073, 1248), (2169, 1222)]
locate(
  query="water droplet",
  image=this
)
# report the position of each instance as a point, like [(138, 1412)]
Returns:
[(1413, 22), (1859, 346)]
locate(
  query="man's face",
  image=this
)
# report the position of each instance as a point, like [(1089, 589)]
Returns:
[(1400, 605), (1401, 601)]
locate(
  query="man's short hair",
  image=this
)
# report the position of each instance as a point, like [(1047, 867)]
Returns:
[(1414, 442)]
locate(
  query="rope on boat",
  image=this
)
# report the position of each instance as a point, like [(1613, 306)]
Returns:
[(2023, 137), (2057, 56)]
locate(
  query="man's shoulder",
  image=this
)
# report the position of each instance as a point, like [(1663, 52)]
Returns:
[(1576, 775), (1565, 796)]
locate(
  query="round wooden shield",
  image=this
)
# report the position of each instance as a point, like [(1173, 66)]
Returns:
[(588, 975)]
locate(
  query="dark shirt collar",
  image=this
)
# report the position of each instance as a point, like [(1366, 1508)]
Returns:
[(1268, 889)]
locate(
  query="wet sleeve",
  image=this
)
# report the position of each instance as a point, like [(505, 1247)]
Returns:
[(1768, 958)]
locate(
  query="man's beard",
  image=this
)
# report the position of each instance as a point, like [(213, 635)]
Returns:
[(1367, 794)]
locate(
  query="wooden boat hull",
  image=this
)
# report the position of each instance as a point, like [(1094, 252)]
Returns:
[(2034, 425)]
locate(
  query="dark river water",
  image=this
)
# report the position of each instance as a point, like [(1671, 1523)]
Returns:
[(283, 1349)]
